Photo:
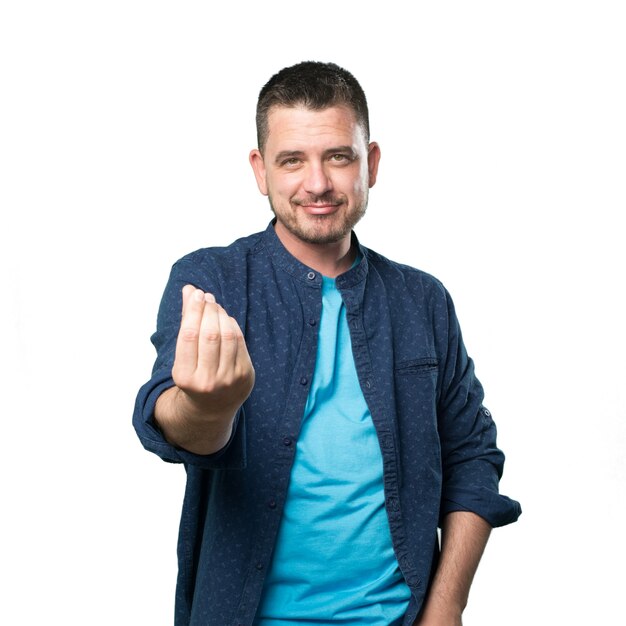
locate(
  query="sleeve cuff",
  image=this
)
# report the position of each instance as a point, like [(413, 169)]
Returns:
[(496, 509), (231, 456)]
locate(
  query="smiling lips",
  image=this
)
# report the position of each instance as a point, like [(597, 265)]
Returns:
[(319, 208)]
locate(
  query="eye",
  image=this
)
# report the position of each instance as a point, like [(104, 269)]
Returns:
[(291, 162), (342, 158)]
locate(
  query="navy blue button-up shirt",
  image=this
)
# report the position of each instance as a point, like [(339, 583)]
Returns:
[(438, 442)]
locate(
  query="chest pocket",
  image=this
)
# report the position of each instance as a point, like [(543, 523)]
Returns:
[(417, 367)]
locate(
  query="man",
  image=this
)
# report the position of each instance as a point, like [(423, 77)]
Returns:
[(321, 399)]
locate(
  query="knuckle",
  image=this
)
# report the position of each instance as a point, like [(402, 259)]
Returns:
[(211, 336), (197, 388), (207, 388), (180, 378), (189, 334), (227, 381), (229, 335)]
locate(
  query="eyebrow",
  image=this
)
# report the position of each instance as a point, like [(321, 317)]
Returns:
[(341, 150), (288, 154)]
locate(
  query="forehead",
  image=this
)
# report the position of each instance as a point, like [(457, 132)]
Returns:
[(301, 127)]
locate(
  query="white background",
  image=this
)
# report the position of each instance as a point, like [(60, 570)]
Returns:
[(124, 133)]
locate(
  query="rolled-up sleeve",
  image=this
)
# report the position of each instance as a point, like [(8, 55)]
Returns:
[(472, 463)]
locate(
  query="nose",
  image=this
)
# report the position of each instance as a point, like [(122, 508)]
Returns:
[(317, 181)]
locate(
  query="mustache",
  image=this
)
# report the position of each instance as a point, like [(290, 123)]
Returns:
[(326, 198)]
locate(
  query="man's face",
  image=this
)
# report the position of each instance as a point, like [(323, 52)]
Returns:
[(316, 169)]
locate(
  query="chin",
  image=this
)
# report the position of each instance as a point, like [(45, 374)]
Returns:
[(322, 232), (319, 229)]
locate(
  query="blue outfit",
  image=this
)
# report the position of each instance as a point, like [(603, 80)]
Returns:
[(437, 440), (334, 560)]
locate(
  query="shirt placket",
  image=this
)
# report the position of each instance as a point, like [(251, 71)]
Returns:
[(285, 439)]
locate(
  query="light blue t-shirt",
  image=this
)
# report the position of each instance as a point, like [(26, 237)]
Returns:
[(334, 562)]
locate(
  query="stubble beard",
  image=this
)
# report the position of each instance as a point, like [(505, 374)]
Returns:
[(320, 229)]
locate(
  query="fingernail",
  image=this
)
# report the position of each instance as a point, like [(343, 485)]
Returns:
[(198, 295), (209, 297)]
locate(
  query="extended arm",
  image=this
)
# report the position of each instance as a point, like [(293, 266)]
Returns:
[(463, 539), (213, 376)]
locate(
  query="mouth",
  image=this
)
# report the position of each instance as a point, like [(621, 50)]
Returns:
[(319, 208)]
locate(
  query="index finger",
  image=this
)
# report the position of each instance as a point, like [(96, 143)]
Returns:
[(186, 356)]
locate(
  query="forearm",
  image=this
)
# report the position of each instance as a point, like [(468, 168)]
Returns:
[(185, 427), (463, 539)]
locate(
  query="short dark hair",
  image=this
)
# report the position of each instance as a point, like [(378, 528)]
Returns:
[(314, 85)]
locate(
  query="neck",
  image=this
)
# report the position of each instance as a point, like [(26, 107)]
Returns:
[(329, 259)]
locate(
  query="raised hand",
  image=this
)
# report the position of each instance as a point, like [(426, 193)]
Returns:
[(213, 375)]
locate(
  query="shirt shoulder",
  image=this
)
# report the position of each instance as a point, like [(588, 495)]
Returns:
[(394, 274), (224, 256)]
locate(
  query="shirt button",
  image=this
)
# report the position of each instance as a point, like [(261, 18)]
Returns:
[(393, 504), (287, 441), (312, 322), (259, 566), (304, 380), (272, 504), (368, 384), (311, 275)]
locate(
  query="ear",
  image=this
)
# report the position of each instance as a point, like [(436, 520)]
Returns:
[(258, 167), (373, 158)]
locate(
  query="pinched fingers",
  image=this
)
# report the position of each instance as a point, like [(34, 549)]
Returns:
[(211, 353)]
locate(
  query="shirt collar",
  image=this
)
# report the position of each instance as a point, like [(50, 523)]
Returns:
[(309, 276)]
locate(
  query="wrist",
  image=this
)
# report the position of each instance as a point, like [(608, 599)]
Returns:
[(189, 426), (195, 411), (440, 614)]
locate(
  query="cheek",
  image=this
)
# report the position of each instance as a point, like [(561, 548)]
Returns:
[(356, 182), (284, 185)]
